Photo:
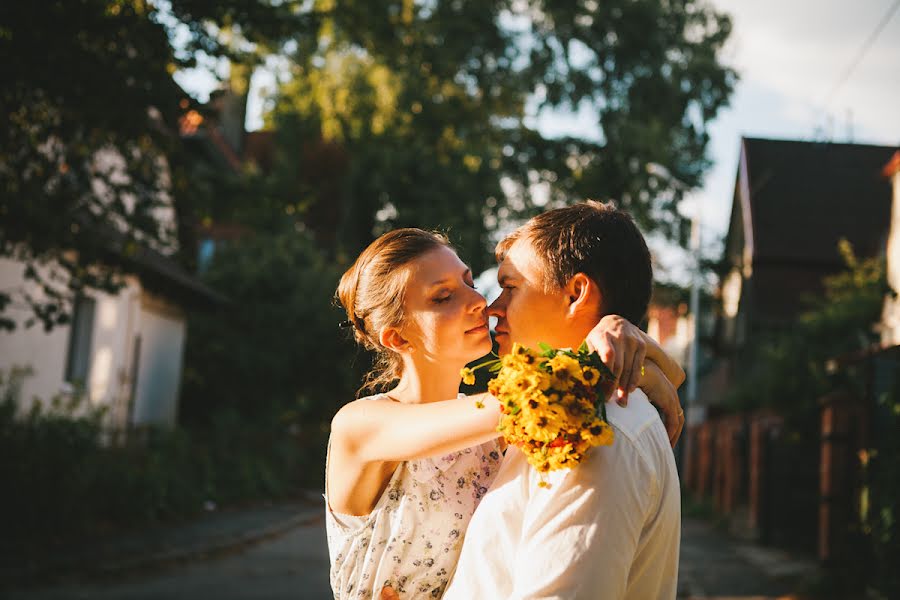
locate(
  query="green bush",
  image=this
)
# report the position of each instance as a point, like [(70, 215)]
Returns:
[(277, 346), (880, 500), (67, 476), (789, 371)]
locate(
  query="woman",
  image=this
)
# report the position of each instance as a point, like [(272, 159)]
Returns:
[(407, 468)]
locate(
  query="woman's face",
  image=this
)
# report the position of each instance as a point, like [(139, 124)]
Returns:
[(444, 316)]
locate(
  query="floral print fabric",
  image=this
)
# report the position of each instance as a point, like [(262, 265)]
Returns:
[(413, 537)]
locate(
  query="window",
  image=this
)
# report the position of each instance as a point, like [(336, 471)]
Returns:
[(78, 360), (205, 254)]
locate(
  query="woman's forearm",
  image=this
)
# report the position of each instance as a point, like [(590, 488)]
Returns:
[(671, 369), (388, 431), (662, 394)]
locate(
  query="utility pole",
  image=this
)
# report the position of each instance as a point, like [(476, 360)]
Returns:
[(691, 399)]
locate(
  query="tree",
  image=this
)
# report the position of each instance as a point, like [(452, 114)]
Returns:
[(277, 345), (90, 139), (429, 105), (793, 363)]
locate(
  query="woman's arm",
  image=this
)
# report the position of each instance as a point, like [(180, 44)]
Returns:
[(623, 347), (662, 393), (383, 430)]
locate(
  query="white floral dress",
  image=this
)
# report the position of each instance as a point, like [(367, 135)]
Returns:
[(413, 537)]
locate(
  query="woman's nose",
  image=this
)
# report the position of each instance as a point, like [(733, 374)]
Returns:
[(478, 302)]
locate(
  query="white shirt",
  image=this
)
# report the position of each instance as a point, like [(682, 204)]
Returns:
[(607, 529)]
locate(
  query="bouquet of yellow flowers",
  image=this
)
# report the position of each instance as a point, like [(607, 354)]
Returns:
[(553, 403)]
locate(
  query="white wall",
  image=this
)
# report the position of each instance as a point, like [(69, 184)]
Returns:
[(890, 333), (45, 352), (159, 373), (118, 321)]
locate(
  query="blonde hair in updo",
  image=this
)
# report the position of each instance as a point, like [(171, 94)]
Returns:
[(372, 292)]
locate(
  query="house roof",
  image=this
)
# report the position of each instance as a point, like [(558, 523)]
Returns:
[(158, 271), (806, 196), (893, 167), (259, 148)]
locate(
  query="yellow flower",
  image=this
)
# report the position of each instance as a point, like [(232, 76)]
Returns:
[(543, 425), (564, 362), (538, 428), (562, 380), (524, 354), (590, 375), (597, 433), (468, 376), (549, 407)]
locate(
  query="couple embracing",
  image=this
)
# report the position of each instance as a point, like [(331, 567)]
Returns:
[(423, 499)]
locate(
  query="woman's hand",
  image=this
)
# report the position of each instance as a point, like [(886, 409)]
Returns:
[(624, 348), (663, 395), (388, 593)]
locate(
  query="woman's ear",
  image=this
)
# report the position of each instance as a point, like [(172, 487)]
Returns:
[(392, 339), (583, 294)]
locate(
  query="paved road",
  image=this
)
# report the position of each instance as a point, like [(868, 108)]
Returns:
[(714, 566), (294, 566)]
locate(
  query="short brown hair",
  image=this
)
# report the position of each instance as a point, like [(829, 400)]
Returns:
[(372, 291), (595, 239)]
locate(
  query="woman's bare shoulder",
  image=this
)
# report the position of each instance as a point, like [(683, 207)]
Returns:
[(355, 410)]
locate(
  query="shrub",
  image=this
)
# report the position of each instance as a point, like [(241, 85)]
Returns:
[(67, 476)]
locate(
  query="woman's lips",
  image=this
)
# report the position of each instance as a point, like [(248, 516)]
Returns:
[(480, 329)]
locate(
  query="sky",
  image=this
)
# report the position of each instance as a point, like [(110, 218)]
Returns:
[(790, 55), (794, 58)]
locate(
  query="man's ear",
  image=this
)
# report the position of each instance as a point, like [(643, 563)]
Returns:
[(392, 339), (583, 294)]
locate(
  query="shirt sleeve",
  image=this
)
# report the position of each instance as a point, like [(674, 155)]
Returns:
[(580, 535)]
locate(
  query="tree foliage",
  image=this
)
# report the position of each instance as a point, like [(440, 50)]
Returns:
[(428, 110), (394, 113), (789, 371), (276, 346), (90, 135)]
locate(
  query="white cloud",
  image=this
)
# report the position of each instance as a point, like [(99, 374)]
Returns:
[(801, 49), (790, 55)]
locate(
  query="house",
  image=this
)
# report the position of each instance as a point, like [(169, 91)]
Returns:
[(669, 321), (890, 321), (217, 138), (123, 351), (793, 202)]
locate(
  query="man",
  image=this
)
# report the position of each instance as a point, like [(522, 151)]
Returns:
[(609, 528)]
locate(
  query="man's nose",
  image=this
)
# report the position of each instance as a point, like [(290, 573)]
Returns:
[(497, 308)]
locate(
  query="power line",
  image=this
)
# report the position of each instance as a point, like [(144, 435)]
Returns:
[(862, 53)]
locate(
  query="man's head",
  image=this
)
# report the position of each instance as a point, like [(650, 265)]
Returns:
[(564, 270)]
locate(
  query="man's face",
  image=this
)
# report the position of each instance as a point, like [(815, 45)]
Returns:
[(525, 312)]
